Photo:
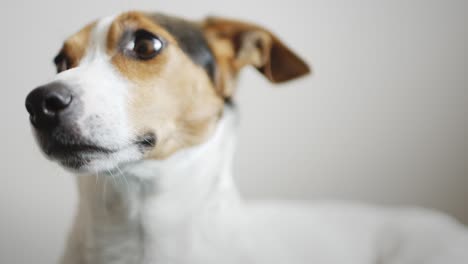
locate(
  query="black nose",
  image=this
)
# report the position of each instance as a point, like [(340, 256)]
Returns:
[(45, 103)]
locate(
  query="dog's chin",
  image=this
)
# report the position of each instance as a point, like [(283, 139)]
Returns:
[(92, 158), (83, 163)]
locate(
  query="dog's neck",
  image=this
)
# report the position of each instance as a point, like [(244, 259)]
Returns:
[(161, 205)]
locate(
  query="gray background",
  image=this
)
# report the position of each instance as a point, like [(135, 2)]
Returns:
[(383, 120)]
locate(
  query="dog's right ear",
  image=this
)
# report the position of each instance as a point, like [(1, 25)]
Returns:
[(236, 44)]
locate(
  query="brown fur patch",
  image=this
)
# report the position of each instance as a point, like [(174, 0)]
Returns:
[(74, 48), (171, 96)]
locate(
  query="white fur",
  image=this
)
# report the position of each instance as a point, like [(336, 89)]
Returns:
[(186, 209)]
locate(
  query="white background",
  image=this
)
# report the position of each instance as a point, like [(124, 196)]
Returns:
[(383, 120)]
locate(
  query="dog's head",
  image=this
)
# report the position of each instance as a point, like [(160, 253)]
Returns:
[(142, 86)]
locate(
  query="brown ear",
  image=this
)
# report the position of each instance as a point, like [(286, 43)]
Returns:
[(253, 45)]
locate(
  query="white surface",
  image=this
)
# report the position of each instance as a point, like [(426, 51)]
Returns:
[(384, 119)]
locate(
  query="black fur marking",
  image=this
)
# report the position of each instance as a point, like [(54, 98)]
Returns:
[(191, 40)]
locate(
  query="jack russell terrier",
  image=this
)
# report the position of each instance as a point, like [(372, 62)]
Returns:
[(141, 105)]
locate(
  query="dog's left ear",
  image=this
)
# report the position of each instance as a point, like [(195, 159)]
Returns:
[(237, 44)]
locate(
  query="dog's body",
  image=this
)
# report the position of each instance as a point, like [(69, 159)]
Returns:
[(186, 209), (140, 107)]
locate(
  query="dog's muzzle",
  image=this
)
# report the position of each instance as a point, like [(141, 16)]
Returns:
[(54, 110)]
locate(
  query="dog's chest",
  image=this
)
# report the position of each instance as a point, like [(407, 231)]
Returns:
[(124, 224), (112, 225), (123, 246)]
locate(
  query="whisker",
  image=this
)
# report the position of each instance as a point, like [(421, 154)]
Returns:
[(104, 188), (113, 177), (123, 176)]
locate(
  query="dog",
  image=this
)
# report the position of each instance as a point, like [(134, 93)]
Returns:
[(141, 109)]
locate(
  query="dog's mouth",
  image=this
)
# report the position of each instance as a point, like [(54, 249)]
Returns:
[(79, 154)]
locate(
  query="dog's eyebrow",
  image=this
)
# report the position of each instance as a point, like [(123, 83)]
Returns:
[(190, 39)]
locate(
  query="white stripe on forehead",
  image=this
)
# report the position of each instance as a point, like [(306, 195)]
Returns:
[(98, 40)]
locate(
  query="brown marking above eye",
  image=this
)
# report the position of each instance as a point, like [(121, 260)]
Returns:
[(124, 58), (73, 49), (173, 32)]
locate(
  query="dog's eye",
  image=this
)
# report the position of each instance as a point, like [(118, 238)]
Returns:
[(61, 62), (143, 45)]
